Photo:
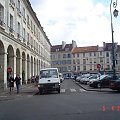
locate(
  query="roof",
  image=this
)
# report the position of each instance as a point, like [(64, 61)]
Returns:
[(57, 48), (85, 49)]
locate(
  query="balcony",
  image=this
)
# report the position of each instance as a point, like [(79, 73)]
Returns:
[(12, 4), (19, 12), (11, 32), (2, 24), (24, 19)]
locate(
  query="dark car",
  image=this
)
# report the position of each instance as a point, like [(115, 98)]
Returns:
[(115, 84), (103, 81)]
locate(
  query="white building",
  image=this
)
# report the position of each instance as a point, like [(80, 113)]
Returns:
[(24, 46)]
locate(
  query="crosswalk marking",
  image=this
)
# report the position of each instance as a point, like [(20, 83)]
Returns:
[(72, 90), (62, 90), (82, 90)]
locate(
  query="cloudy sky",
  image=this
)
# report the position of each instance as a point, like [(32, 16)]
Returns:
[(85, 21)]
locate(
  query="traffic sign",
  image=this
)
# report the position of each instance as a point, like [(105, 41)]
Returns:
[(98, 66), (9, 69)]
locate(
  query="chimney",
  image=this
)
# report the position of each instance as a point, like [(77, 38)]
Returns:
[(63, 44), (104, 45), (74, 44)]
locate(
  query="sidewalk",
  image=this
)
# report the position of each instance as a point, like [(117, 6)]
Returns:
[(87, 88), (27, 90)]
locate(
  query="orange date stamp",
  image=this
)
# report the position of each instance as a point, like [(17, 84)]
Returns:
[(111, 108)]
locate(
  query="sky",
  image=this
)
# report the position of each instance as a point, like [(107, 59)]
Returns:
[(85, 21)]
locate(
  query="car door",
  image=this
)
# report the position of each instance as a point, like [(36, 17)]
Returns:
[(106, 81)]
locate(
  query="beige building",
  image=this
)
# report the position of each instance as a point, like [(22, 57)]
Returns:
[(85, 59), (61, 57), (24, 46)]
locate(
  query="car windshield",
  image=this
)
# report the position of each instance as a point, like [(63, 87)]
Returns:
[(49, 73), (93, 77)]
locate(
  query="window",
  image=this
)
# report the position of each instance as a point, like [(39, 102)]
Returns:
[(18, 4), (28, 38), (11, 22), (78, 55), (100, 53), (28, 19), (107, 54), (34, 29), (83, 54), (84, 67), (94, 53), (1, 15), (73, 55), (69, 68), (18, 30), (73, 61), (64, 55), (107, 60), (24, 12), (74, 68), (24, 34), (84, 61), (78, 61), (69, 55), (58, 55), (90, 60), (90, 54), (78, 68)]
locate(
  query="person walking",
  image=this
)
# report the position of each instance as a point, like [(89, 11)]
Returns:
[(17, 80), (11, 83)]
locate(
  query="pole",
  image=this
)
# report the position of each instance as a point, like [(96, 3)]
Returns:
[(113, 46)]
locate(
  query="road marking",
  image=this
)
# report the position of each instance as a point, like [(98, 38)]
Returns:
[(82, 90), (72, 90), (62, 90)]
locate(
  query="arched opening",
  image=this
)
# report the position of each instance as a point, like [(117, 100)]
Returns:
[(2, 52), (10, 60), (28, 67)]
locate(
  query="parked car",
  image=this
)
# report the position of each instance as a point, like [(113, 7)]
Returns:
[(85, 79), (115, 84), (102, 81)]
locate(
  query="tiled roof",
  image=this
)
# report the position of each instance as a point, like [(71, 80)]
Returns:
[(59, 48), (85, 49)]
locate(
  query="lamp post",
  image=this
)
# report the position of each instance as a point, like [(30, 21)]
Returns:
[(115, 13)]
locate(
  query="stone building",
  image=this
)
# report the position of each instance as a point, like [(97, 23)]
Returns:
[(24, 46), (85, 59)]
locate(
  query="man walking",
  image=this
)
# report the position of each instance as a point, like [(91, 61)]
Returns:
[(17, 80)]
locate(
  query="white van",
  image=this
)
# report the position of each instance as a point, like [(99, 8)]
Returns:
[(49, 80)]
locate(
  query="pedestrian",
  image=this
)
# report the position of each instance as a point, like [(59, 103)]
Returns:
[(11, 82), (17, 80)]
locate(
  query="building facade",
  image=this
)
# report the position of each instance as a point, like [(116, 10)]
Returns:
[(24, 46), (85, 59), (61, 57)]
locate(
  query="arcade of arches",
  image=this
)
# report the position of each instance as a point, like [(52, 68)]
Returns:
[(21, 62)]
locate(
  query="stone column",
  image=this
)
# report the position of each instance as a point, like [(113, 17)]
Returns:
[(5, 70), (21, 69), (26, 71)]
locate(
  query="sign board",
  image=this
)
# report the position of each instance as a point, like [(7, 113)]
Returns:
[(9, 69), (98, 66)]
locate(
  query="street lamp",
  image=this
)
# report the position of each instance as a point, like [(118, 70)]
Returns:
[(115, 13)]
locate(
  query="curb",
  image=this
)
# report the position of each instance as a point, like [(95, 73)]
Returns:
[(99, 90)]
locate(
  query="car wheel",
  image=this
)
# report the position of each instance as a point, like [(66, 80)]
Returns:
[(40, 92), (98, 85), (58, 90)]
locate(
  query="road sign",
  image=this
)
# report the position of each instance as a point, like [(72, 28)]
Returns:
[(9, 69), (98, 66)]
